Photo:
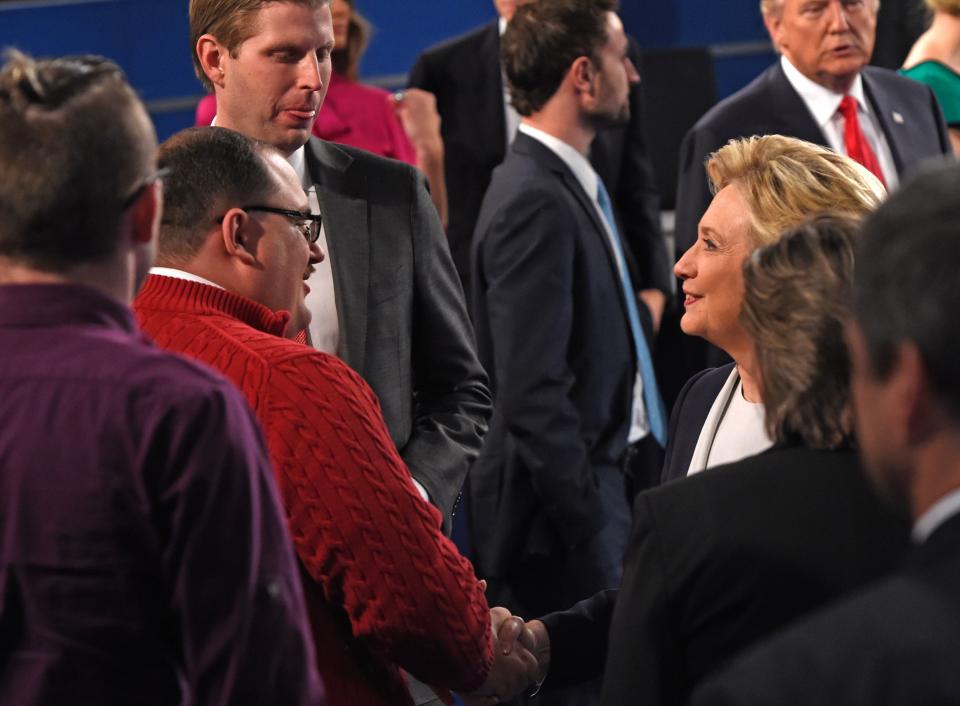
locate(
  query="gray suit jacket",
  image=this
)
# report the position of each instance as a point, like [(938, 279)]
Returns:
[(403, 323)]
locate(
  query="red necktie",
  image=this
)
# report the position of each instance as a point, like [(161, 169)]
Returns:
[(855, 141)]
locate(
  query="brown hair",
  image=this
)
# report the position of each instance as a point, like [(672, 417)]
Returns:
[(231, 22), (785, 180), (541, 42), (212, 169), (346, 61), (75, 145), (797, 297)]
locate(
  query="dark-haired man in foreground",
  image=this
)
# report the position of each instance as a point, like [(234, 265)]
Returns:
[(385, 589), (896, 643), (143, 553)]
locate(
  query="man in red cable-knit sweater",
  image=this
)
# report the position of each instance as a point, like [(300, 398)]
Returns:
[(385, 589)]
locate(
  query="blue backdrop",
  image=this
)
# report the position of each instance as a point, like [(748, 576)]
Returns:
[(148, 38)]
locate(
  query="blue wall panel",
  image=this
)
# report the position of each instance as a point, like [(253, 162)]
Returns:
[(148, 38)]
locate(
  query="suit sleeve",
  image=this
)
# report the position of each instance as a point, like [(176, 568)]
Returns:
[(644, 651), (363, 532), (452, 402), (527, 257), (693, 190), (226, 551), (638, 201), (420, 75), (578, 639)]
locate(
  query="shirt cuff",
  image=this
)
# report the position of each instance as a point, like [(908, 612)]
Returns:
[(421, 490)]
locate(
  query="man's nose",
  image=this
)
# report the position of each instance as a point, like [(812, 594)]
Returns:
[(837, 16), (316, 254), (309, 76), (633, 76)]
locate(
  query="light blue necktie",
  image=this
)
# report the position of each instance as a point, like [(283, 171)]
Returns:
[(656, 413)]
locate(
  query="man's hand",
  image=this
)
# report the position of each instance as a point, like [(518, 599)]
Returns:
[(515, 666), (655, 300), (417, 110)]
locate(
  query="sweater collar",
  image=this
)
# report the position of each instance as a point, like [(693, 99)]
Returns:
[(172, 294)]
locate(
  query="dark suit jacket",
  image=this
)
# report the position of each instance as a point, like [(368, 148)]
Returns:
[(552, 330), (769, 105), (722, 558), (687, 418), (896, 643), (464, 74), (403, 322)]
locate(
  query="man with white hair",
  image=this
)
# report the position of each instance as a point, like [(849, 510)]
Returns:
[(821, 90)]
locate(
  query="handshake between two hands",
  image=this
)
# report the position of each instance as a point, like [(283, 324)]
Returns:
[(521, 659)]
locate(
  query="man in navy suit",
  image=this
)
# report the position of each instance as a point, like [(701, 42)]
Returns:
[(464, 73), (896, 643), (558, 326), (824, 46)]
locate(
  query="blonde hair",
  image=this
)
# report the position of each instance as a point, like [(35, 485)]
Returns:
[(951, 7), (785, 180)]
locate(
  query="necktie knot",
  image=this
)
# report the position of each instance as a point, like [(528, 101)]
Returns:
[(848, 107)]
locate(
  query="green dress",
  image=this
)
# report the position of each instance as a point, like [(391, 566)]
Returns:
[(945, 83)]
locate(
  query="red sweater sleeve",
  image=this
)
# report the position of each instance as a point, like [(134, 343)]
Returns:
[(363, 532)]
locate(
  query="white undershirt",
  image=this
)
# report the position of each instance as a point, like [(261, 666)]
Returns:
[(324, 328), (824, 105), (938, 513), (182, 274), (734, 429), (578, 164)]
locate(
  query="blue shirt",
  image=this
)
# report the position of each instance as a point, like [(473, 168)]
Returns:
[(143, 553)]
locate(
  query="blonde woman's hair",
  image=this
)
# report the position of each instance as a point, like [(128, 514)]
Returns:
[(951, 7), (785, 180)]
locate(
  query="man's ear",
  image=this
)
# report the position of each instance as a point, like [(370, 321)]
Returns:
[(144, 214), (211, 55), (582, 74), (772, 21), (914, 395), (239, 240)]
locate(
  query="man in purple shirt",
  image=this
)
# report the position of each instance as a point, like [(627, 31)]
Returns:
[(143, 554)]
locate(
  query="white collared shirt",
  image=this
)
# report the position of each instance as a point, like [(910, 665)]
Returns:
[(511, 118), (824, 105), (588, 179), (324, 328), (182, 274), (938, 513)]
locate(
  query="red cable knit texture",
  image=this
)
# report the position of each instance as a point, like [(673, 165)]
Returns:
[(384, 586)]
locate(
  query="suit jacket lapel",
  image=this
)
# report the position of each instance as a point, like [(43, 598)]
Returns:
[(348, 241), (492, 85), (790, 111), (546, 156), (883, 109)]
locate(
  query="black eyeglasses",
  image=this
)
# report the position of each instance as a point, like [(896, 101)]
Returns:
[(307, 223), (135, 194)]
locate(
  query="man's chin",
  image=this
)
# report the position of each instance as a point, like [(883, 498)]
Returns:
[(602, 121)]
